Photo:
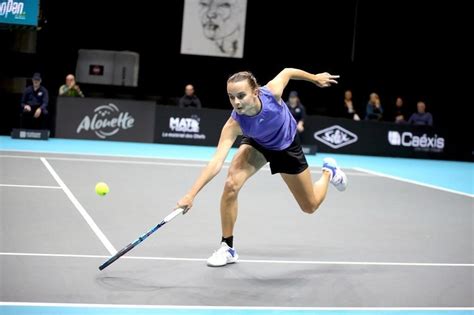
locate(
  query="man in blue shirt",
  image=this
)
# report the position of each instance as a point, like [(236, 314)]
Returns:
[(421, 118), (34, 105)]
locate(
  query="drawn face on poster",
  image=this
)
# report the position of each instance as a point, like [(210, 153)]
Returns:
[(214, 27)]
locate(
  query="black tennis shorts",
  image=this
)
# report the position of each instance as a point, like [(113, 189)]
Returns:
[(289, 161)]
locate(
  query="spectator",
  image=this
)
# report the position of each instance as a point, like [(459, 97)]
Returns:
[(374, 109), (34, 105), (349, 111), (70, 88), (421, 117), (400, 115), (189, 99), (297, 110)]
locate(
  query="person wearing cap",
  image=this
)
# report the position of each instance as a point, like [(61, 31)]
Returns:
[(34, 104), (297, 110)]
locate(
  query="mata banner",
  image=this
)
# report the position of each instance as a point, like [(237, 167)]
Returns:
[(189, 125), (214, 28)]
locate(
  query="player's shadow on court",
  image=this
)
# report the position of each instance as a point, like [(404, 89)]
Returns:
[(126, 284), (300, 277), (133, 284)]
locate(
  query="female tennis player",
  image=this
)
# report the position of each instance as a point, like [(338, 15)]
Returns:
[(269, 135)]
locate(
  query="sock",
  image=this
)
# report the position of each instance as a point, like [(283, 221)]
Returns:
[(228, 240), (330, 171), (331, 175)]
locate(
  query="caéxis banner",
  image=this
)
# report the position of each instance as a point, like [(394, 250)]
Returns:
[(383, 139), (105, 119)]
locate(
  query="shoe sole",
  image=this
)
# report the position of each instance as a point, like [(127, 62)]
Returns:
[(227, 263), (215, 266), (344, 187)]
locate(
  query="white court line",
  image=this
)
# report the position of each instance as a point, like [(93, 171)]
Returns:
[(256, 261), (81, 209), (265, 168), (414, 182), (30, 186), (204, 307), (105, 155)]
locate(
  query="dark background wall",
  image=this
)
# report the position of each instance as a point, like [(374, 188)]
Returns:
[(389, 47)]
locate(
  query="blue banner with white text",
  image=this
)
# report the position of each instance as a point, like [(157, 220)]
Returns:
[(22, 12)]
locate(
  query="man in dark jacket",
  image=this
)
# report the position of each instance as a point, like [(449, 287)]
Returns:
[(189, 99), (34, 105)]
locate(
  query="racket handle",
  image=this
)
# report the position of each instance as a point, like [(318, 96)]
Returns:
[(173, 214), (119, 254)]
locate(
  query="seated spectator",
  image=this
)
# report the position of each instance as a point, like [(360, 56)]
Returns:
[(421, 117), (374, 109), (70, 88), (349, 110), (189, 99), (297, 110), (34, 105), (400, 114)]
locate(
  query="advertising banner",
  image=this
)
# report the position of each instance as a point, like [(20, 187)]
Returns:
[(105, 119), (382, 139), (142, 121), (22, 12), (189, 125)]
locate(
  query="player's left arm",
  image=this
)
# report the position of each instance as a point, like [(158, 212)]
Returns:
[(278, 84)]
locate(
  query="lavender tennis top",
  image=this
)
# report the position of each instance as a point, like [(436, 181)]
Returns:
[(274, 127)]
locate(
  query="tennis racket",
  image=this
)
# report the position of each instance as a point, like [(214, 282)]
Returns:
[(130, 246)]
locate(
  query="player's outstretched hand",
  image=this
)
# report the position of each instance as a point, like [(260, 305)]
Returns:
[(325, 79)]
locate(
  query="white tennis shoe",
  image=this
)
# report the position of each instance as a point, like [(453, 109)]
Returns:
[(223, 256), (338, 177)]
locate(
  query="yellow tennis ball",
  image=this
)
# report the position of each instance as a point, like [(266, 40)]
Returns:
[(101, 189)]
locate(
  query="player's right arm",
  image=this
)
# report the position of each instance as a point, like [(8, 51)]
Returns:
[(229, 133)]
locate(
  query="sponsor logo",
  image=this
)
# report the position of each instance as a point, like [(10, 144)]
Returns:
[(394, 138), (420, 143), (184, 128), (29, 134), (106, 121), (184, 124), (96, 70), (335, 136), (15, 8)]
